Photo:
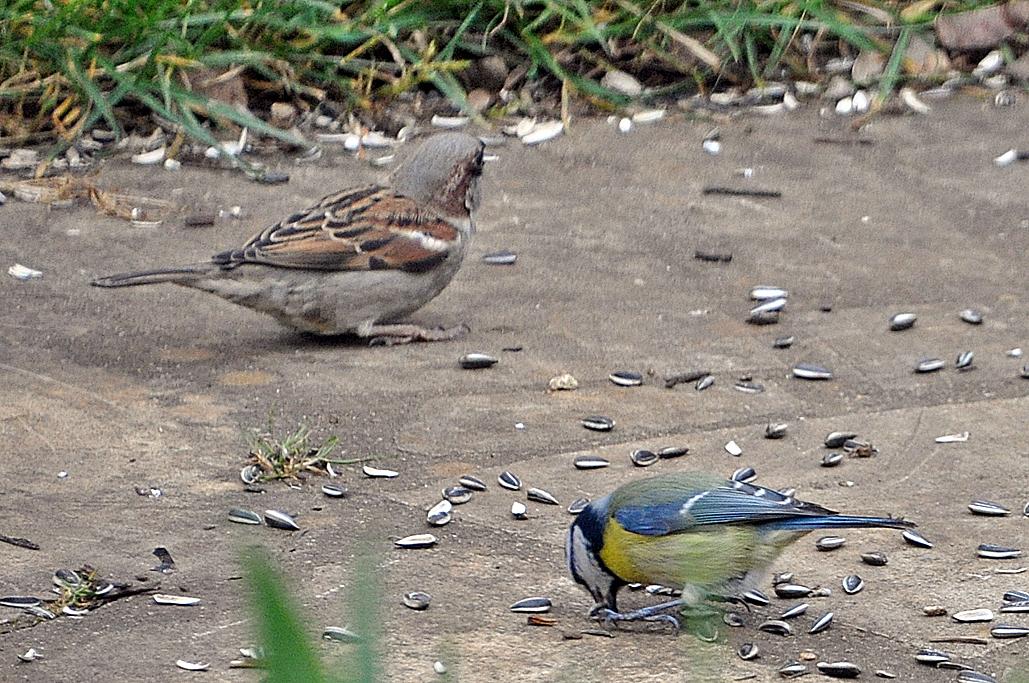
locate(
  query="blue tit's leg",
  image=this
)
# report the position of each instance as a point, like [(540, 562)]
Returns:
[(651, 613)]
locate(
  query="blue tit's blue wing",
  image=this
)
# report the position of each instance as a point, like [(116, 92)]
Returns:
[(689, 507)]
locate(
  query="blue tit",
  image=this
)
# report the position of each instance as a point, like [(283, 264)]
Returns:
[(709, 537)]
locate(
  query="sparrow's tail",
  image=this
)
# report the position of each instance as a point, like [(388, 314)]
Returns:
[(839, 522), (150, 277)]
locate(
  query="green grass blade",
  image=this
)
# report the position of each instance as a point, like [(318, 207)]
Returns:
[(289, 656), (891, 74)]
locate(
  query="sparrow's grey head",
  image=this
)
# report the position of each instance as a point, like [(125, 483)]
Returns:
[(444, 172)]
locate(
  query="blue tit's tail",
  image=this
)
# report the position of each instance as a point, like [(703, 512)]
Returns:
[(836, 522)]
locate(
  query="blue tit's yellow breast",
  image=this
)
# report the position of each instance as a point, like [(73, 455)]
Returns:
[(620, 551)]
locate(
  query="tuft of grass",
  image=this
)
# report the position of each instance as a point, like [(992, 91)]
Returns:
[(293, 455)]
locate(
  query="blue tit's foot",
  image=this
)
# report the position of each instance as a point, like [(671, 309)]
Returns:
[(653, 613)]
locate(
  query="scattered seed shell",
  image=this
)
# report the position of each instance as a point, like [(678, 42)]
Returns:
[(476, 361), (912, 537), (192, 666), (590, 462), (776, 626), (811, 371), (988, 508), (457, 495), (755, 597), (339, 634), (766, 292), (990, 551), (902, 321), (831, 459), (19, 601), (540, 496), (669, 452), (519, 511), (1008, 631), (875, 559), (251, 474), (839, 669), (748, 651), (795, 611), (500, 258), (821, 624), (440, 513), (643, 458), (971, 316), (782, 342), (972, 616), (334, 490), (953, 438), (542, 132), (791, 591), (927, 655), (416, 541), (775, 430), (826, 543), (535, 605), (626, 378), (929, 365), (176, 600), (744, 475), (792, 670), (509, 480), (837, 439), (732, 448), (704, 382), (377, 473), (853, 584), (578, 505), (472, 482), (964, 360), (417, 600), (280, 520), (598, 423)]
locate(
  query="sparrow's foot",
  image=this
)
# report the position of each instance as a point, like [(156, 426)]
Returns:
[(392, 335)]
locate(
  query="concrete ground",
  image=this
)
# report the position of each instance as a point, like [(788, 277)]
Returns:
[(152, 387)]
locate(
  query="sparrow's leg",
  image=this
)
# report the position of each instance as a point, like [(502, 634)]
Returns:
[(391, 335)]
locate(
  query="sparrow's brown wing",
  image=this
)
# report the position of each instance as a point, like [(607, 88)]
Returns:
[(369, 228)]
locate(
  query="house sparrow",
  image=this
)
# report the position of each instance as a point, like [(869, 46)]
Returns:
[(359, 259)]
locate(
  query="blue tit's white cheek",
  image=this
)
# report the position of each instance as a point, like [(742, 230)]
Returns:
[(583, 562)]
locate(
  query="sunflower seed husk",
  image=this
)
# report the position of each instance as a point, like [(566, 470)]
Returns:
[(1024, 372), (732, 619), (953, 438), (590, 462), (66, 577), (416, 541), (831, 459), (876, 559), (997, 552), (192, 666), (853, 584), (30, 655), (241, 516), (973, 676), (624, 378), (19, 601), (902, 321), (748, 387), (251, 474), (930, 656), (747, 651), (500, 258), (826, 543), (280, 520), (794, 611), (988, 508), (811, 371), (793, 670), (782, 342), (782, 577), (776, 626), (509, 480), (339, 634), (972, 316), (476, 361), (102, 587), (766, 292), (1008, 631), (883, 673), (472, 482), (744, 475), (763, 318), (837, 439), (535, 605), (791, 591), (519, 511), (643, 458), (821, 624), (1015, 596), (964, 360), (732, 448), (839, 669), (755, 597), (578, 505), (377, 473), (929, 365), (704, 382), (775, 430), (598, 423), (176, 600), (74, 611), (456, 495), (541, 496), (669, 452), (334, 490), (971, 616), (417, 600), (912, 537), (440, 513), (769, 306)]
